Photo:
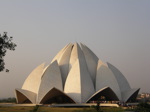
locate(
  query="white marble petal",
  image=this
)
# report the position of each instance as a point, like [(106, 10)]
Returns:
[(79, 85), (51, 78), (33, 81), (122, 81), (127, 94), (28, 94), (91, 60), (105, 77)]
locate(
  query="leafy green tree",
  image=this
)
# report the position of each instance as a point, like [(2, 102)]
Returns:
[(5, 44), (143, 107)]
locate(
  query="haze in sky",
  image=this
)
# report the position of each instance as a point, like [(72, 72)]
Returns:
[(117, 31)]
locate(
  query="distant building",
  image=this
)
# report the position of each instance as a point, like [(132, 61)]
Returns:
[(143, 97), (75, 75)]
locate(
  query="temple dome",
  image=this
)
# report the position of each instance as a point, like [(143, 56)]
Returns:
[(75, 75)]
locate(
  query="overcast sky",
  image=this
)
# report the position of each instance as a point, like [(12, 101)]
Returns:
[(117, 31)]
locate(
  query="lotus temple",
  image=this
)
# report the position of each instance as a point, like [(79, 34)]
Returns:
[(75, 75)]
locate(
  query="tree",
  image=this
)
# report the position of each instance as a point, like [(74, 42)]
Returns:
[(143, 107), (5, 44)]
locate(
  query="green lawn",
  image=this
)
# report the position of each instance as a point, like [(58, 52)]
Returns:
[(16, 109), (49, 109)]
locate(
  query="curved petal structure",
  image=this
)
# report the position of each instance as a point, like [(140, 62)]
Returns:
[(75, 75), (25, 96), (104, 78), (64, 62), (75, 54), (56, 96), (122, 81), (59, 54), (73, 82), (130, 95), (50, 79), (33, 81), (78, 85), (105, 92), (91, 60)]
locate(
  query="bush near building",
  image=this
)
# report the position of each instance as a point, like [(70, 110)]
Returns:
[(8, 100)]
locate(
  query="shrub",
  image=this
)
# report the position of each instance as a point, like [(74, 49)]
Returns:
[(143, 107)]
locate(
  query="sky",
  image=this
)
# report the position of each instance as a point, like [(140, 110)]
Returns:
[(117, 31)]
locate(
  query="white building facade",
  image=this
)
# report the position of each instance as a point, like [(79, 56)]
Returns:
[(75, 75)]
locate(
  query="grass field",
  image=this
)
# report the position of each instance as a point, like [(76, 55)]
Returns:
[(16, 109), (49, 109)]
